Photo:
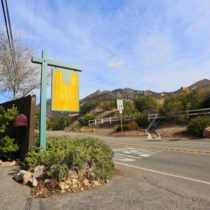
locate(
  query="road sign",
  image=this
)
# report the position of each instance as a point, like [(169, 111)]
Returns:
[(65, 91), (120, 106)]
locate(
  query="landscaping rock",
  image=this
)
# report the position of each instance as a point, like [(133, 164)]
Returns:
[(96, 183), (86, 182), (74, 175), (46, 180), (27, 177), (62, 186), (19, 176), (74, 181), (38, 171), (206, 132), (33, 182)]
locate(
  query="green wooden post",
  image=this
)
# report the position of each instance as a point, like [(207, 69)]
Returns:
[(43, 103), (43, 91)]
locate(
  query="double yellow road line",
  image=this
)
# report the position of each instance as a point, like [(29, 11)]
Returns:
[(166, 149)]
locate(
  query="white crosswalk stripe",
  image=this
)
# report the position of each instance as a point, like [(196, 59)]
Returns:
[(129, 154)]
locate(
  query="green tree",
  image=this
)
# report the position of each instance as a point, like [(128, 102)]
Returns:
[(88, 106), (85, 119), (145, 104)]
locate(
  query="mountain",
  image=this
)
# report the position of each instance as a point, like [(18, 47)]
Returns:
[(202, 84), (128, 93)]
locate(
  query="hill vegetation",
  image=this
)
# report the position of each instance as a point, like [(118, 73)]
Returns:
[(137, 104)]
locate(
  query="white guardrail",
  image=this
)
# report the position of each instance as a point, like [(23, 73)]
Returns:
[(193, 112), (107, 120)]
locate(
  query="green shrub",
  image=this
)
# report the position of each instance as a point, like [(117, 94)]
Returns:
[(64, 155), (8, 146), (85, 119), (131, 126), (129, 108), (197, 125), (56, 124), (145, 103), (88, 106), (141, 119)]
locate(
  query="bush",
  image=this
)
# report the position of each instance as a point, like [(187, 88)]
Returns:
[(129, 108), (145, 103), (8, 146), (141, 119), (197, 125), (64, 155), (85, 119), (88, 106), (131, 126), (56, 124)]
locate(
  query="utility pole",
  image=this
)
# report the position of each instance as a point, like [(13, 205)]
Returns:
[(45, 62)]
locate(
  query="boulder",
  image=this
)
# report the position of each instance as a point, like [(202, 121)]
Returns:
[(27, 177), (19, 176), (33, 182), (96, 183), (38, 171), (62, 186), (86, 182), (206, 132)]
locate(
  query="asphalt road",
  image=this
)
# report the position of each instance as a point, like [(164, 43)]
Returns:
[(167, 174), (181, 167)]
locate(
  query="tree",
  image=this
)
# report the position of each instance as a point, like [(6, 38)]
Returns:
[(145, 103), (22, 77)]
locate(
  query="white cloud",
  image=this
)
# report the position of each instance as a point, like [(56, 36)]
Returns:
[(157, 45)]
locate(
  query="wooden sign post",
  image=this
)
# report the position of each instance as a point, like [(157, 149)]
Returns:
[(45, 62)]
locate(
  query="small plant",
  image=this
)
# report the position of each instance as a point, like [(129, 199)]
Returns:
[(131, 126), (88, 106), (197, 125), (8, 146), (142, 119), (85, 119)]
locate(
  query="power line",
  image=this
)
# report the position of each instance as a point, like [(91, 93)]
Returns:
[(9, 31)]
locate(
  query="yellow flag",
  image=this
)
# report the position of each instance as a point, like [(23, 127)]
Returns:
[(65, 91)]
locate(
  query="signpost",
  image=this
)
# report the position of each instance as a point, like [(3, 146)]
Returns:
[(120, 107), (45, 62)]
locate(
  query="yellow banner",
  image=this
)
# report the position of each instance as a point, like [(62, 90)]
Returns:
[(65, 91)]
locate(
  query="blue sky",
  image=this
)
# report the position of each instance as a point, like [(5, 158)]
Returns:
[(159, 45)]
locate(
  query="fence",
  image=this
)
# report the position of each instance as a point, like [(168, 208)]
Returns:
[(27, 106), (196, 112), (108, 120)]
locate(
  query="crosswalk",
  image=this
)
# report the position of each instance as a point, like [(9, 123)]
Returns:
[(129, 154)]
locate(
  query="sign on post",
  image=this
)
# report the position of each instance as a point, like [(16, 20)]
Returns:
[(65, 91), (45, 62), (120, 106)]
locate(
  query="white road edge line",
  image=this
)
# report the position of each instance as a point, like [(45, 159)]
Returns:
[(164, 173)]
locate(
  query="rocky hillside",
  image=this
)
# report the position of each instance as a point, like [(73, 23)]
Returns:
[(128, 93), (125, 93)]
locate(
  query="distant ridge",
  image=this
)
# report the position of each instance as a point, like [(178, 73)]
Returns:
[(128, 93)]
